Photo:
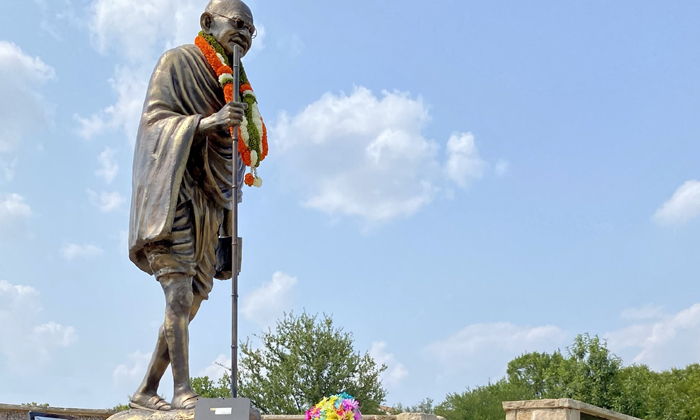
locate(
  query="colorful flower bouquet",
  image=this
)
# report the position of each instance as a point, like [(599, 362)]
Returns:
[(336, 407)]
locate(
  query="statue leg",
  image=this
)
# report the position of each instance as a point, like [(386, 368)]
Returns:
[(146, 396), (160, 360), (179, 302)]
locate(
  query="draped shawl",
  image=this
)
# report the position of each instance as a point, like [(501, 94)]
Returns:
[(183, 89)]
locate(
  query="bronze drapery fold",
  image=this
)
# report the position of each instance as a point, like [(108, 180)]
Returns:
[(182, 90)]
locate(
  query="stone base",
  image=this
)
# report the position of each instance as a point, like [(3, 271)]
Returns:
[(137, 414), (560, 409)]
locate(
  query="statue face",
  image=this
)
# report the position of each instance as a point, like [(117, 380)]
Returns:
[(235, 27)]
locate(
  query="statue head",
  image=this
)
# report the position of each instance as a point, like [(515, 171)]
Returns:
[(230, 22)]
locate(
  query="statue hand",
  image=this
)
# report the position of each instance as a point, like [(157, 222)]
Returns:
[(223, 275), (230, 115)]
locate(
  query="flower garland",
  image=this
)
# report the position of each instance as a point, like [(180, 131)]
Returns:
[(252, 133), (336, 407)]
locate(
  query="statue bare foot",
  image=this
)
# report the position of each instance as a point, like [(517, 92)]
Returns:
[(185, 400), (148, 402)]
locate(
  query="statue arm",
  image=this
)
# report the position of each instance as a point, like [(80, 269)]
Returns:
[(230, 115)]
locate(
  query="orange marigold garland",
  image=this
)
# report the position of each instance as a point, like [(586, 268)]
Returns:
[(249, 180), (252, 133)]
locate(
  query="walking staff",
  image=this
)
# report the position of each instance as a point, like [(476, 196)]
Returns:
[(236, 66)]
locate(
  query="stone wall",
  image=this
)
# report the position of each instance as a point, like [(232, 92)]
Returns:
[(21, 412), (560, 409)]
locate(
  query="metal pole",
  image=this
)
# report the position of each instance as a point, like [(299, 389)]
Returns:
[(234, 231)]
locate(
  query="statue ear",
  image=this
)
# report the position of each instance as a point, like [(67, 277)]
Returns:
[(205, 22)]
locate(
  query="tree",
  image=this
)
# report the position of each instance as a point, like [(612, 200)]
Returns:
[(425, 407), (120, 407), (482, 402), (206, 388), (303, 360), (675, 394), (540, 373), (638, 384), (590, 373)]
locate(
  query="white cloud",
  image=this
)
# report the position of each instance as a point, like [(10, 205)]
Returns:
[(483, 350), (653, 337), (366, 156), (14, 213), (643, 313), (127, 376), (463, 161), (130, 85), (671, 340), (26, 342), (131, 372), (681, 207), (57, 12), (267, 303), (22, 107), (292, 43), (108, 165), (502, 167), (216, 369), (360, 155), (9, 168), (138, 30), (56, 333), (87, 251), (396, 372), (105, 201)]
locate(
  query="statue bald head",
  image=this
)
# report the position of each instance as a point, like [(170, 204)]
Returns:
[(230, 22), (228, 8)]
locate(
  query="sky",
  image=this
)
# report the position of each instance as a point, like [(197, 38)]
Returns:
[(454, 182)]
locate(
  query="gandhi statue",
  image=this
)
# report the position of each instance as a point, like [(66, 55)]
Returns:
[(182, 191)]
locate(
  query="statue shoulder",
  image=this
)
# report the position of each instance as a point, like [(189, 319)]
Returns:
[(178, 55)]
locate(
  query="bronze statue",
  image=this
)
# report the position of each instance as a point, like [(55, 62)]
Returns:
[(182, 191)]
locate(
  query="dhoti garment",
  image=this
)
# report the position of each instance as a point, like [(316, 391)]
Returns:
[(192, 246)]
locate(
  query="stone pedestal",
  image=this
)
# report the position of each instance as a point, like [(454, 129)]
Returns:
[(560, 409), (136, 414), (416, 416)]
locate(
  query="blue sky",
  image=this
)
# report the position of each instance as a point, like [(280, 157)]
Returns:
[(455, 182)]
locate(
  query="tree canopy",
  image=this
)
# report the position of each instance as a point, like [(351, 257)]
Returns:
[(590, 373), (305, 359)]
